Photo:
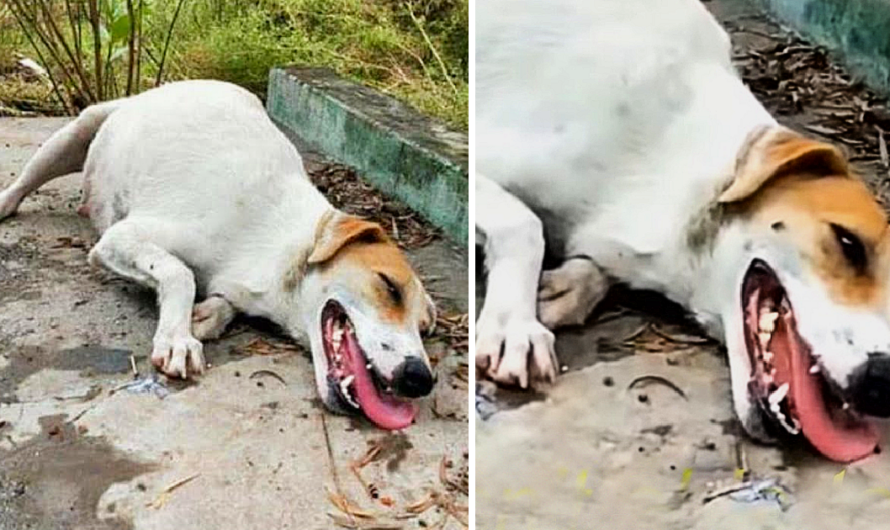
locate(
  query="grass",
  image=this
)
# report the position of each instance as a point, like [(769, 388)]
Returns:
[(415, 50)]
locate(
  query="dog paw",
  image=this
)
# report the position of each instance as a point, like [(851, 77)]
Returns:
[(9, 203), (178, 356), (567, 295), (211, 317), (518, 353)]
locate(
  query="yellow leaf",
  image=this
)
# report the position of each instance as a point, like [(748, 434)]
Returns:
[(839, 478), (687, 478)]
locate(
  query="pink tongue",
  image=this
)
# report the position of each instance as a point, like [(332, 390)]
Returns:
[(385, 411), (840, 442)]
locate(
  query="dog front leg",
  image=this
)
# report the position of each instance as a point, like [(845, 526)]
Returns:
[(512, 346), (129, 249)]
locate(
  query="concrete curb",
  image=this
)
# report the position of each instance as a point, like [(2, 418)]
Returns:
[(857, 30), (401, 152)]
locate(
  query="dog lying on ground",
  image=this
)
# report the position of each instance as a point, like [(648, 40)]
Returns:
[(619, 133), (193, 188)]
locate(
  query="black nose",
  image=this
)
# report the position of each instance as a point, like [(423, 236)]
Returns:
[(870, 386), (412, 378)]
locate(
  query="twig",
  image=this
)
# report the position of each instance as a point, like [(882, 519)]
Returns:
[(650, 379), (52, 78), (161, 499), (74, 27), (327, 442), (270, 373), (21, 14), (139, 54), (167, 43), (97, 48), (131, 48), (75, 60), (432, 48)]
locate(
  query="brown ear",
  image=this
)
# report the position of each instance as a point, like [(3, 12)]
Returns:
[(338, 230), (772, 152)]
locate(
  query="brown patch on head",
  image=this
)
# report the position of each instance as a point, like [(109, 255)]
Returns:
[(391, 285), (373, 265), (837, 225)]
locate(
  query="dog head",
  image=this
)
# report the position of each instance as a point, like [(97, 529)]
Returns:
[(807, 250), (364, 309)]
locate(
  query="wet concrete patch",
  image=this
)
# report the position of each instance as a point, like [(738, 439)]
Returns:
[(55, 480), (22, 362)]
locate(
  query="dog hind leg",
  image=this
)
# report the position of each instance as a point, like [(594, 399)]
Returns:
[(569, 293), (64, 153), (512, 346), (210, 317), (129, 250)]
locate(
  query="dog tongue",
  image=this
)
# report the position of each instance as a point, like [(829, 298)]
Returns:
[(385, 411), (838, 440)]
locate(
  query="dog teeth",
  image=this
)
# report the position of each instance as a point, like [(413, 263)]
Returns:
[(768, 356), (776, 397), (846, 406), (815, 369), (768, 322), (764, 339), (345, 383), (368, 366), (793, 428)]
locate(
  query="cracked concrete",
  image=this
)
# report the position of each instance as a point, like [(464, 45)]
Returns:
[(78, 452)]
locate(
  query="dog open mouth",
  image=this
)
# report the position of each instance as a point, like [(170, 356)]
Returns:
[(354, 379), (787, 380)]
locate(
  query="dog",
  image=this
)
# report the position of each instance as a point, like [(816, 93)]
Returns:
[(618, 134), (193, 189)]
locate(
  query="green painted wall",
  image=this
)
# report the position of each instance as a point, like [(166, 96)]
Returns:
[(399, 151)]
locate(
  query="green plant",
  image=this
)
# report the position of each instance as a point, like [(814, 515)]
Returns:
[(92, 49)]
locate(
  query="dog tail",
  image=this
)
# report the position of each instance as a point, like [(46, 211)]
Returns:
[(64, 153)]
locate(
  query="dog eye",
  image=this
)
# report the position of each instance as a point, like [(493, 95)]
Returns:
[(852, 247), (391, 288)]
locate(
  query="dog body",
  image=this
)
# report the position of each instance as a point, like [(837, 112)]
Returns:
[(194, 190), (619, 133)]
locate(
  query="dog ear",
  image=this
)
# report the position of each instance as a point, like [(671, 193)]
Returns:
[(772, 152), (338, 230)]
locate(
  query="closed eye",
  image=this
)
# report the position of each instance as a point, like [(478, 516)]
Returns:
[(852, 248), (391, 288)]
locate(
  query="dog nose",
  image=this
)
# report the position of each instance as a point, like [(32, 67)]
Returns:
[(412, 378), (870, 385)]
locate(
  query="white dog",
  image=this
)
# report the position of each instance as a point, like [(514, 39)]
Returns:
[(618, 132), (193, 188)]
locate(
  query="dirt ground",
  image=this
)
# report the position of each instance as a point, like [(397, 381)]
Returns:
[(611, 446), (247, 446)]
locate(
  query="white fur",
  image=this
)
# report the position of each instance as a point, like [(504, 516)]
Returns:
[(623, 119), (193, 188)]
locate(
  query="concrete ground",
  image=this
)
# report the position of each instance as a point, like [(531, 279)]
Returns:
[(247, 446), (610, 446)]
